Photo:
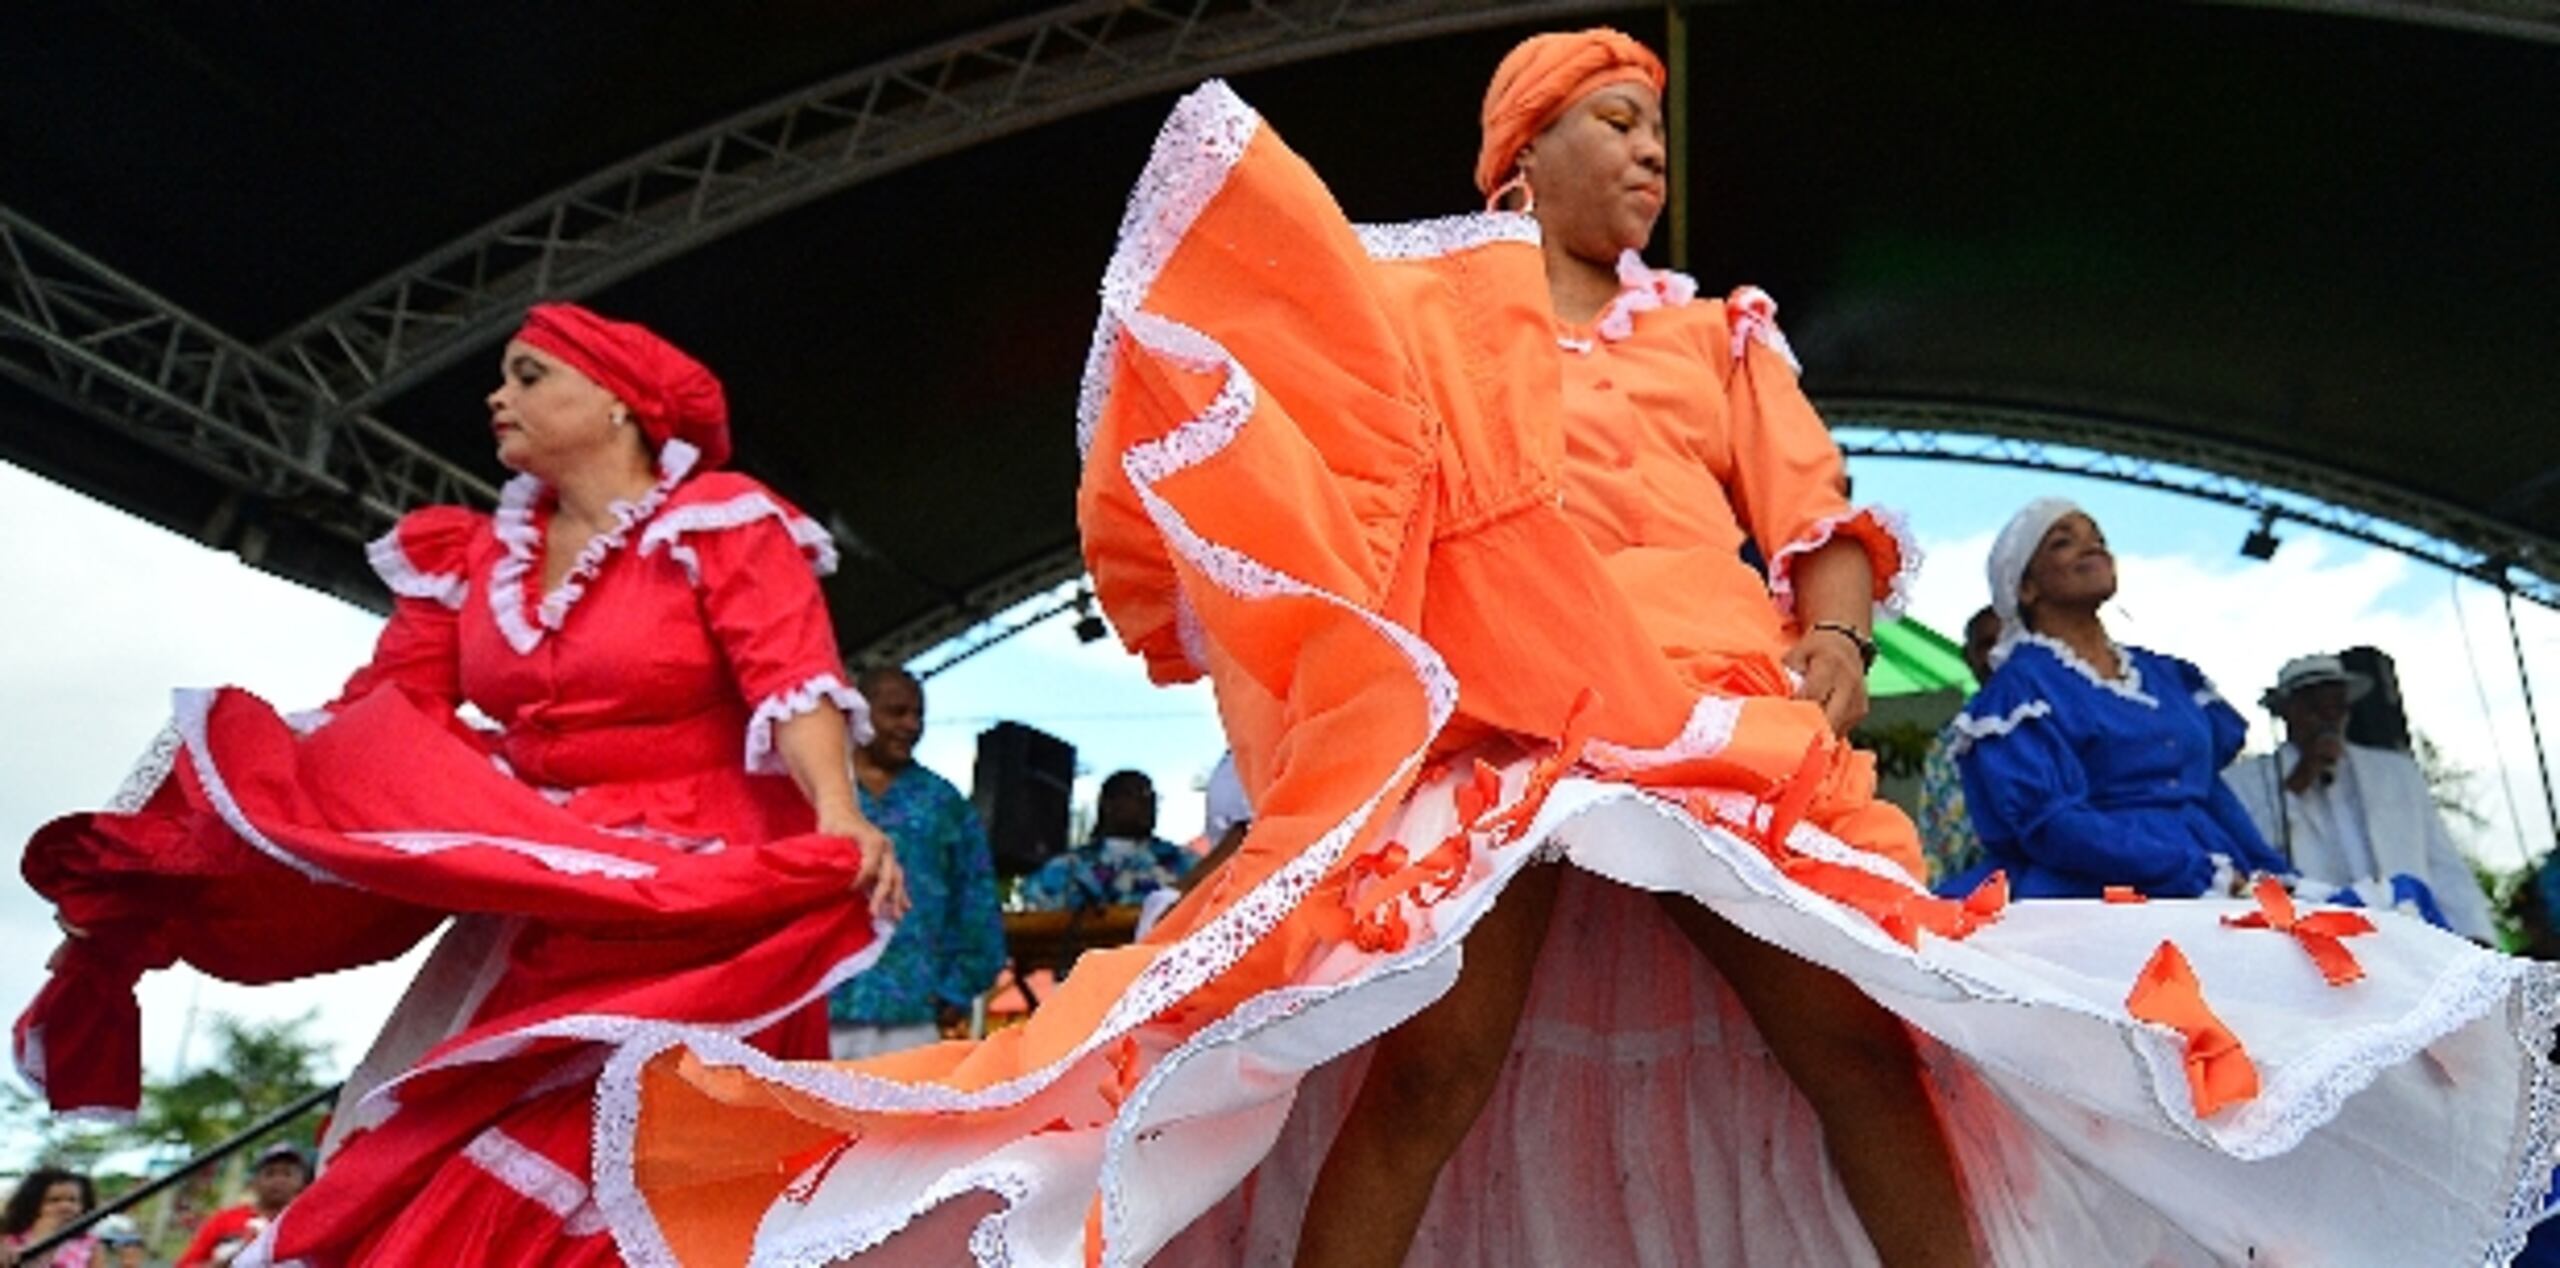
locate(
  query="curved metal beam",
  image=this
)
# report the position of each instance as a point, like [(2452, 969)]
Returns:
[(2157, 457), (722, 178), (99, 342), (2040, 440)]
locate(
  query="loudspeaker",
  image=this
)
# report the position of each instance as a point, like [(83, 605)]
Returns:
[(2377, 720), (1024, 781)]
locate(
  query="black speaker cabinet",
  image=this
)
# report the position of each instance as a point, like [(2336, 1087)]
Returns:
[(1024, 780), (2378, 720)]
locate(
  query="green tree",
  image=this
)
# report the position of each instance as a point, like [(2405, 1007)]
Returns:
[(259, 1068)]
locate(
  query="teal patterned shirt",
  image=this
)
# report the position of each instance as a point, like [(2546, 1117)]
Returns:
[(950, 945), (1946, 829)]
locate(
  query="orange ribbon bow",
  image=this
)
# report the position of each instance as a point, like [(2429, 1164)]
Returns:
[(2319, 933), (2219, 1071)]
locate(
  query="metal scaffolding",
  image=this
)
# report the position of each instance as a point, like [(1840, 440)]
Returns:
[(94, 340), (689, 191), (2280, 488)]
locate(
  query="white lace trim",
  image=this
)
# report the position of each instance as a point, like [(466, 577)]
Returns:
[(1199, 144), (515, 531), (149, 772), (2538, 1013), (1445, 235), (668, 530), (773, 710), (407, 580), (1753, 316), (1969, 728), (1897, 590), (1641, 289), (1206, 125), (2129, 686), (634, 1040), (510, 1162), (2318, 1085), (189, 709), (27, 1052), (1707, 732), (568, 860)]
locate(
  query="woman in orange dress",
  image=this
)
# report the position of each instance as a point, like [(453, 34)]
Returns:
[(1449, 514)]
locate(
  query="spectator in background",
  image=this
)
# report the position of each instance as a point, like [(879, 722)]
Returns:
[(120, 1244), (2087, 764), (276, 1178), (951, 944), (1947, 838), (42, 1204), (2347, 814), (1123, 863)]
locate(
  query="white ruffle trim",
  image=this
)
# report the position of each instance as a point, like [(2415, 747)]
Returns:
[(1969, 728), (523, 543), (538, 1179), (668, 530), (1897, 588), (1445, 235), (1708, 731), (149, 771), (568, 860), (2129, 686), (1188, 166), (762, 759), (1641, 289), (1753, 317), (407, 580)]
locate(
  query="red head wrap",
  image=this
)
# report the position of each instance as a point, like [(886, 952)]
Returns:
[(672, 395), (1541, 77)]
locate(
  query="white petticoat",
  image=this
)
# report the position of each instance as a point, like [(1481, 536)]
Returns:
[(2403, 1119)]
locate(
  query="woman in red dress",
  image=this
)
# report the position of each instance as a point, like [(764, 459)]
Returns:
[(661, 828)]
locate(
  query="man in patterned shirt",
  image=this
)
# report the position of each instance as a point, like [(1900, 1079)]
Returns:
[(951, 943), (1123, 863), (1946, 829)]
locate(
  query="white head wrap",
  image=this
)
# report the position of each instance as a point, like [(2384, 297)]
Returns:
[(2010, 554)]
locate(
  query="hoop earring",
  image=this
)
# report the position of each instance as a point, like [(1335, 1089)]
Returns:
[(1518, 184)]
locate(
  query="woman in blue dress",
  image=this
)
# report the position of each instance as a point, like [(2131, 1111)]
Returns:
[(2086, 763)]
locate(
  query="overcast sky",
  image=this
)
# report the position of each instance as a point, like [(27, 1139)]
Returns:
[(110, 613)]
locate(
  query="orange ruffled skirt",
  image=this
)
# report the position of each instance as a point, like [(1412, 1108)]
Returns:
[(1320, 471)]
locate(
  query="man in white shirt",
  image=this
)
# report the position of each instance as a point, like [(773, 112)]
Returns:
[(2347, 814)]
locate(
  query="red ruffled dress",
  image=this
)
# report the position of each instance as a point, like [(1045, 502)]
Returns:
[(625, 848)]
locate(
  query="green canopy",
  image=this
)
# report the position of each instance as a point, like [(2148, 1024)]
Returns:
[(1914, 660)]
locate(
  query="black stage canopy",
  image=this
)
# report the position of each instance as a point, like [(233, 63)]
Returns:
[(2320, 239)]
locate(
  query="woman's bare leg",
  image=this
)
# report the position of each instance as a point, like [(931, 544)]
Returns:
[(1855, 1063), (1427, 1081)]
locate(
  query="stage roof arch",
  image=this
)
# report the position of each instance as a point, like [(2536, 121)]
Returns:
[(258, 264)]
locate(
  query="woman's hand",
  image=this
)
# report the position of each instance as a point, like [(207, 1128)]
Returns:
[(880, 881), (1834, 677)]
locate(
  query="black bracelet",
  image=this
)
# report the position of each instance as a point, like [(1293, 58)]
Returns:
[(1866, 646)]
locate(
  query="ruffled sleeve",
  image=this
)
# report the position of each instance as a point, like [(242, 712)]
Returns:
[(426, 561), (755, 559), (1789, 486), (2030, 798)]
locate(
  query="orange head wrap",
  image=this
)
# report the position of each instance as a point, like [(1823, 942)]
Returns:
[(671, 395), (1543, 76)]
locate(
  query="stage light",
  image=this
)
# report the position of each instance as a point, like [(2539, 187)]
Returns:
[(2262, 541), (1089, 625)]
